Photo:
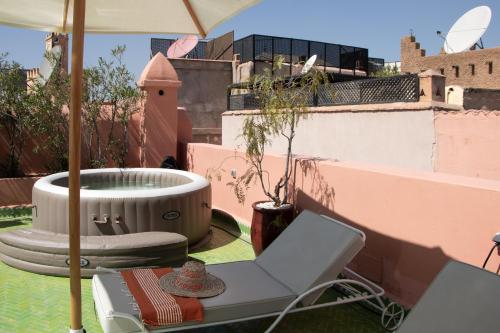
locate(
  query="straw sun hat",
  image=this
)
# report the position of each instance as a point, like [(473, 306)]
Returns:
[(192, 280)]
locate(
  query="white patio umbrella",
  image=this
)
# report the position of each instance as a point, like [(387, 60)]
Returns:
[(107, 17)]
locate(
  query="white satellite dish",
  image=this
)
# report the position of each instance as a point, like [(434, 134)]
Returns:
[(47, 67), (309, 64), (467, 30)]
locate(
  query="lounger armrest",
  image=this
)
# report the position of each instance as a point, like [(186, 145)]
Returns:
[(109, 314), (140, 325), (375, 292)]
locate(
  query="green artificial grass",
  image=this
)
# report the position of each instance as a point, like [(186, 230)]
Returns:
[(38, 303), (13, 218)]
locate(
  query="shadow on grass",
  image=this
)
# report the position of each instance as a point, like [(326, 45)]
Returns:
[(220, 238), (13, 223), (225, 230), (226, 222)]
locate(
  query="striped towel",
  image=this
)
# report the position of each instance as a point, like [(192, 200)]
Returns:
[(157, 307)]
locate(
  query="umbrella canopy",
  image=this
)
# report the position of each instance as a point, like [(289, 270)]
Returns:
[(106, 16), (123, 16)]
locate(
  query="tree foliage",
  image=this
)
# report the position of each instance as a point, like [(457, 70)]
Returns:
[(49, 116), (14, 114), (110, 99), (387, 71), (41, 112), (283, 102)]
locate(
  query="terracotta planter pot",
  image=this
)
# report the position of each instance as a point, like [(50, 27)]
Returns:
[(267, 225)]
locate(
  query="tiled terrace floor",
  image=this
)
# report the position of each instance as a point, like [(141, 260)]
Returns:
[(37, 303)]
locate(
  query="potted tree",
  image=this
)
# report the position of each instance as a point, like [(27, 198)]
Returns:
[(282, 102)]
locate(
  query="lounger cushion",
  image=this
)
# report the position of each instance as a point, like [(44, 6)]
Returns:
[(462, 299), (249, 291), (312, 250)]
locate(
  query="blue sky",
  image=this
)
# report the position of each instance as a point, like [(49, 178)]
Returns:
[(376, 25)]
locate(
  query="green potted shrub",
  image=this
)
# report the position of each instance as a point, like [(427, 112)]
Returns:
[(282, 102)]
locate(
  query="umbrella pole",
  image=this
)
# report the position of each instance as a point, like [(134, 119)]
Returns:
[(74, 165)]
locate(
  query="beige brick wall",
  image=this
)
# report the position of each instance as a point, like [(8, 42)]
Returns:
[(414, 60)]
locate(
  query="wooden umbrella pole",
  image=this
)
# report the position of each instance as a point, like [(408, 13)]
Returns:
[(195, 19), (74, 164)]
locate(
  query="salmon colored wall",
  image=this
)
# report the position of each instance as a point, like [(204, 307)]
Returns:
[(31, 163), (185, 127), (157, 126), (104, 125), (160, 125), (414, 221), (16, 191), (160, 118), (135, 139), (468, 143)]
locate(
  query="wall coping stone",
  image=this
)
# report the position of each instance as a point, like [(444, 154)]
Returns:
[(387, 107)]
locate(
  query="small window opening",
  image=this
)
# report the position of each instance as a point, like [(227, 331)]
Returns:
[(457, 71), (442, 71), (160, 92), (472, 69), (490, 67)]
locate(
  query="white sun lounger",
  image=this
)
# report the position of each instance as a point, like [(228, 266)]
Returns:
[(296, 268), (461, 299)]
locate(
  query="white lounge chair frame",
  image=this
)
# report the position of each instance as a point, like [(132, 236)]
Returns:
[(391, 315), (372, 293)]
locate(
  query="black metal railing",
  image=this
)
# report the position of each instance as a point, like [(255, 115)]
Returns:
[(375, 64), (400, 88), (243, 102), (331, 58)]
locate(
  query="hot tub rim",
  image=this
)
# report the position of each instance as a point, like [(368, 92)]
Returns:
[(197, 183)]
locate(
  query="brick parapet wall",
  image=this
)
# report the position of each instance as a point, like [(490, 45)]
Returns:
[(414, 60)]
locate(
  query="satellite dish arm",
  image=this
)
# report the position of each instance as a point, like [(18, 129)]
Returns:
[(480, 43)]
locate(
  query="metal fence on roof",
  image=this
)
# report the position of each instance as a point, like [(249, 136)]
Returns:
[(375, 64), (332, 58), (400, 88)]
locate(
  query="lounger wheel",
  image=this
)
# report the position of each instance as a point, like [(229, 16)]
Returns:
[(392, 316)]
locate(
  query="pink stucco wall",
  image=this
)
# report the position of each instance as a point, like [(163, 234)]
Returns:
[(16, 191), (414, 221), (468, 143), (30, 162)]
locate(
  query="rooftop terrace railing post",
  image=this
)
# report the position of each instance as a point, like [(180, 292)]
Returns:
[(355, 61), (253, 54), (324, 57), (340, 59), (308, 49), (272, 55)]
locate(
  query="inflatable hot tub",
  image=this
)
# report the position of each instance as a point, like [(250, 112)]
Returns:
[(123, 201), (128, 218)]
